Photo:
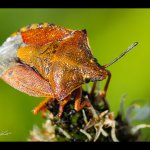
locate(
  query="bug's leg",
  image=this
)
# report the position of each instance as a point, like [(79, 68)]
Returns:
[(62, 105), (103, 93), (78, 104), (42, 106), (93, 88)]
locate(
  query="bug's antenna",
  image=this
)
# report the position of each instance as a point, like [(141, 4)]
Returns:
[(121, 55)]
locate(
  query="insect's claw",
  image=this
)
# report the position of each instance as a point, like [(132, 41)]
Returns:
[(62, 105), (35, 112), (41, 106), (102, 94)]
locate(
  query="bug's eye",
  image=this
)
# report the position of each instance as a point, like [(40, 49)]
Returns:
[(87, 80)]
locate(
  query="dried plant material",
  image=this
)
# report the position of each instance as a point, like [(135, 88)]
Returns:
[(64, 133), (94, 124), (45, 134), (84, 116), (135, 129), (87, 134)]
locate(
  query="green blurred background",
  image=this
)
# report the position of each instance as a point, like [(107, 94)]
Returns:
[(110, 32)]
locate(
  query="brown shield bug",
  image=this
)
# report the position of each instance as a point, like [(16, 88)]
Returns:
[(45, 60)]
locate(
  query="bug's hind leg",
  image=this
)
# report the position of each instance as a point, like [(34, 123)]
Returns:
[(42, 106), (78, 104)]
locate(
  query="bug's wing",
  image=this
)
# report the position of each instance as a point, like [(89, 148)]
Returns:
[(8, 52), (41, 36)]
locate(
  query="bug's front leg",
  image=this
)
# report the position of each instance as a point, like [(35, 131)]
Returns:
[(78, 104), (103, 93), (93, 89)]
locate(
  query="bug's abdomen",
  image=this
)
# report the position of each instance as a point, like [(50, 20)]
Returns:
[(26, 80)]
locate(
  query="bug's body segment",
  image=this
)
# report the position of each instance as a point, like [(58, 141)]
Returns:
[(60, 56), (46, 60)]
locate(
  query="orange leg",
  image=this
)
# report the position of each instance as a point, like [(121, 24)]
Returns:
[(103, 93), (78, 104), (41, 106), (93, 88), (62, 105)]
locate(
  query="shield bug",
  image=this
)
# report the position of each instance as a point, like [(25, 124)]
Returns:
[(46, 60)]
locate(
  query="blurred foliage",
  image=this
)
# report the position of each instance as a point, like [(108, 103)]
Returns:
[(110, 32)]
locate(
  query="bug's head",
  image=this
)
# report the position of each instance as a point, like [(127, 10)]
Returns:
[(95, 71)]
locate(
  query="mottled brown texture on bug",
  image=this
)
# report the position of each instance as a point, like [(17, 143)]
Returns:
[(25, 79), (66, 64), (39, 57)]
